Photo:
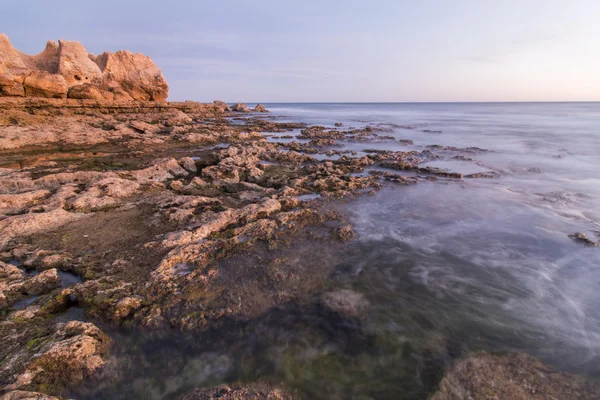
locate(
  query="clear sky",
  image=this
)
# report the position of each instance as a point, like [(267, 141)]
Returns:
[(330, 50)]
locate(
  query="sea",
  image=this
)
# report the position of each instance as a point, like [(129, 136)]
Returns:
[(449, 267)]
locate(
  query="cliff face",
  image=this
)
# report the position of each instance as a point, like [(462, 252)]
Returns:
[(66, 70)]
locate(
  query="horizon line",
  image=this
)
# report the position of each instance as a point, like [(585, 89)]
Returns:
[(408, 102)]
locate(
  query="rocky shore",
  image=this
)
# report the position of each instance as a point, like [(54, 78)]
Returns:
[(122, 212), (154, 216)]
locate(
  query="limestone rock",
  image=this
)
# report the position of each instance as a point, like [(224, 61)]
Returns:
[(242, 393), (143, 127), (66, 69), (188, 163), (240, 107), (42, 283), (11, 87), (75, 65), (76, 351), (260, 108), (512, 376), (45, 84), (23, 395), (89, 91), (126, 306), (136, 74), (221, 105)]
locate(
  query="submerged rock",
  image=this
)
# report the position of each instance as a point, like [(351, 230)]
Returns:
[(583, 238), (346, 302), (513, 376)]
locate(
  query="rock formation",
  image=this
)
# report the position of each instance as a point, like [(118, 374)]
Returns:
[(66, 69)]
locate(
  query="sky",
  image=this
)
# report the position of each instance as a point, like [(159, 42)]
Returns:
[(330, 50)]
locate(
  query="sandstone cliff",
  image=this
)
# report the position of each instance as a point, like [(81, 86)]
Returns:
[(66, 69)]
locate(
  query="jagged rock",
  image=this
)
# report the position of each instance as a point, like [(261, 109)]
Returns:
[(66, 69), (260, 108), (75, 65), (188, 163), (136, 74), (126, 306), (221, 105), (42, 283), (104, 194), (75, 352), (240, 107)]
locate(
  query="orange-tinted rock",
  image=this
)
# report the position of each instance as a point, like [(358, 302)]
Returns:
[(89, 91), (136, 74), (240, 107), (66, 69), (260, 108), (75, 65), (45, 84)]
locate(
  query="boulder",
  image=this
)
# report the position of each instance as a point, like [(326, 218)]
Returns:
[(240, 107), (45, 84), (42, 283), (89, 91), (346, 302), (75, 352), (11, 87), (221, 105), (260, 108)]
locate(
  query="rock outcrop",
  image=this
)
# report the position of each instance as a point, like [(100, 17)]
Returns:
[(66, 69)]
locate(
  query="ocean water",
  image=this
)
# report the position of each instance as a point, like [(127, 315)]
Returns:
[(448, 267), (492, 253)]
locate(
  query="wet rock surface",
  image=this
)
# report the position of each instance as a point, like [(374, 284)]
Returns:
[(511, 376), (245, 393)]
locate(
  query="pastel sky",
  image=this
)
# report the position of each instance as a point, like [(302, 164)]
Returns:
[(330, 50)]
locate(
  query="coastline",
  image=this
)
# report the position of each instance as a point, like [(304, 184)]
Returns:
[(163, 211)]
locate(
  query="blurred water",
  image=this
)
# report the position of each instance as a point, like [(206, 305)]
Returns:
[(448, 267), (494, 253)]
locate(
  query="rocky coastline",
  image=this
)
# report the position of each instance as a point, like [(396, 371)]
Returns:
[(142, 214)]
